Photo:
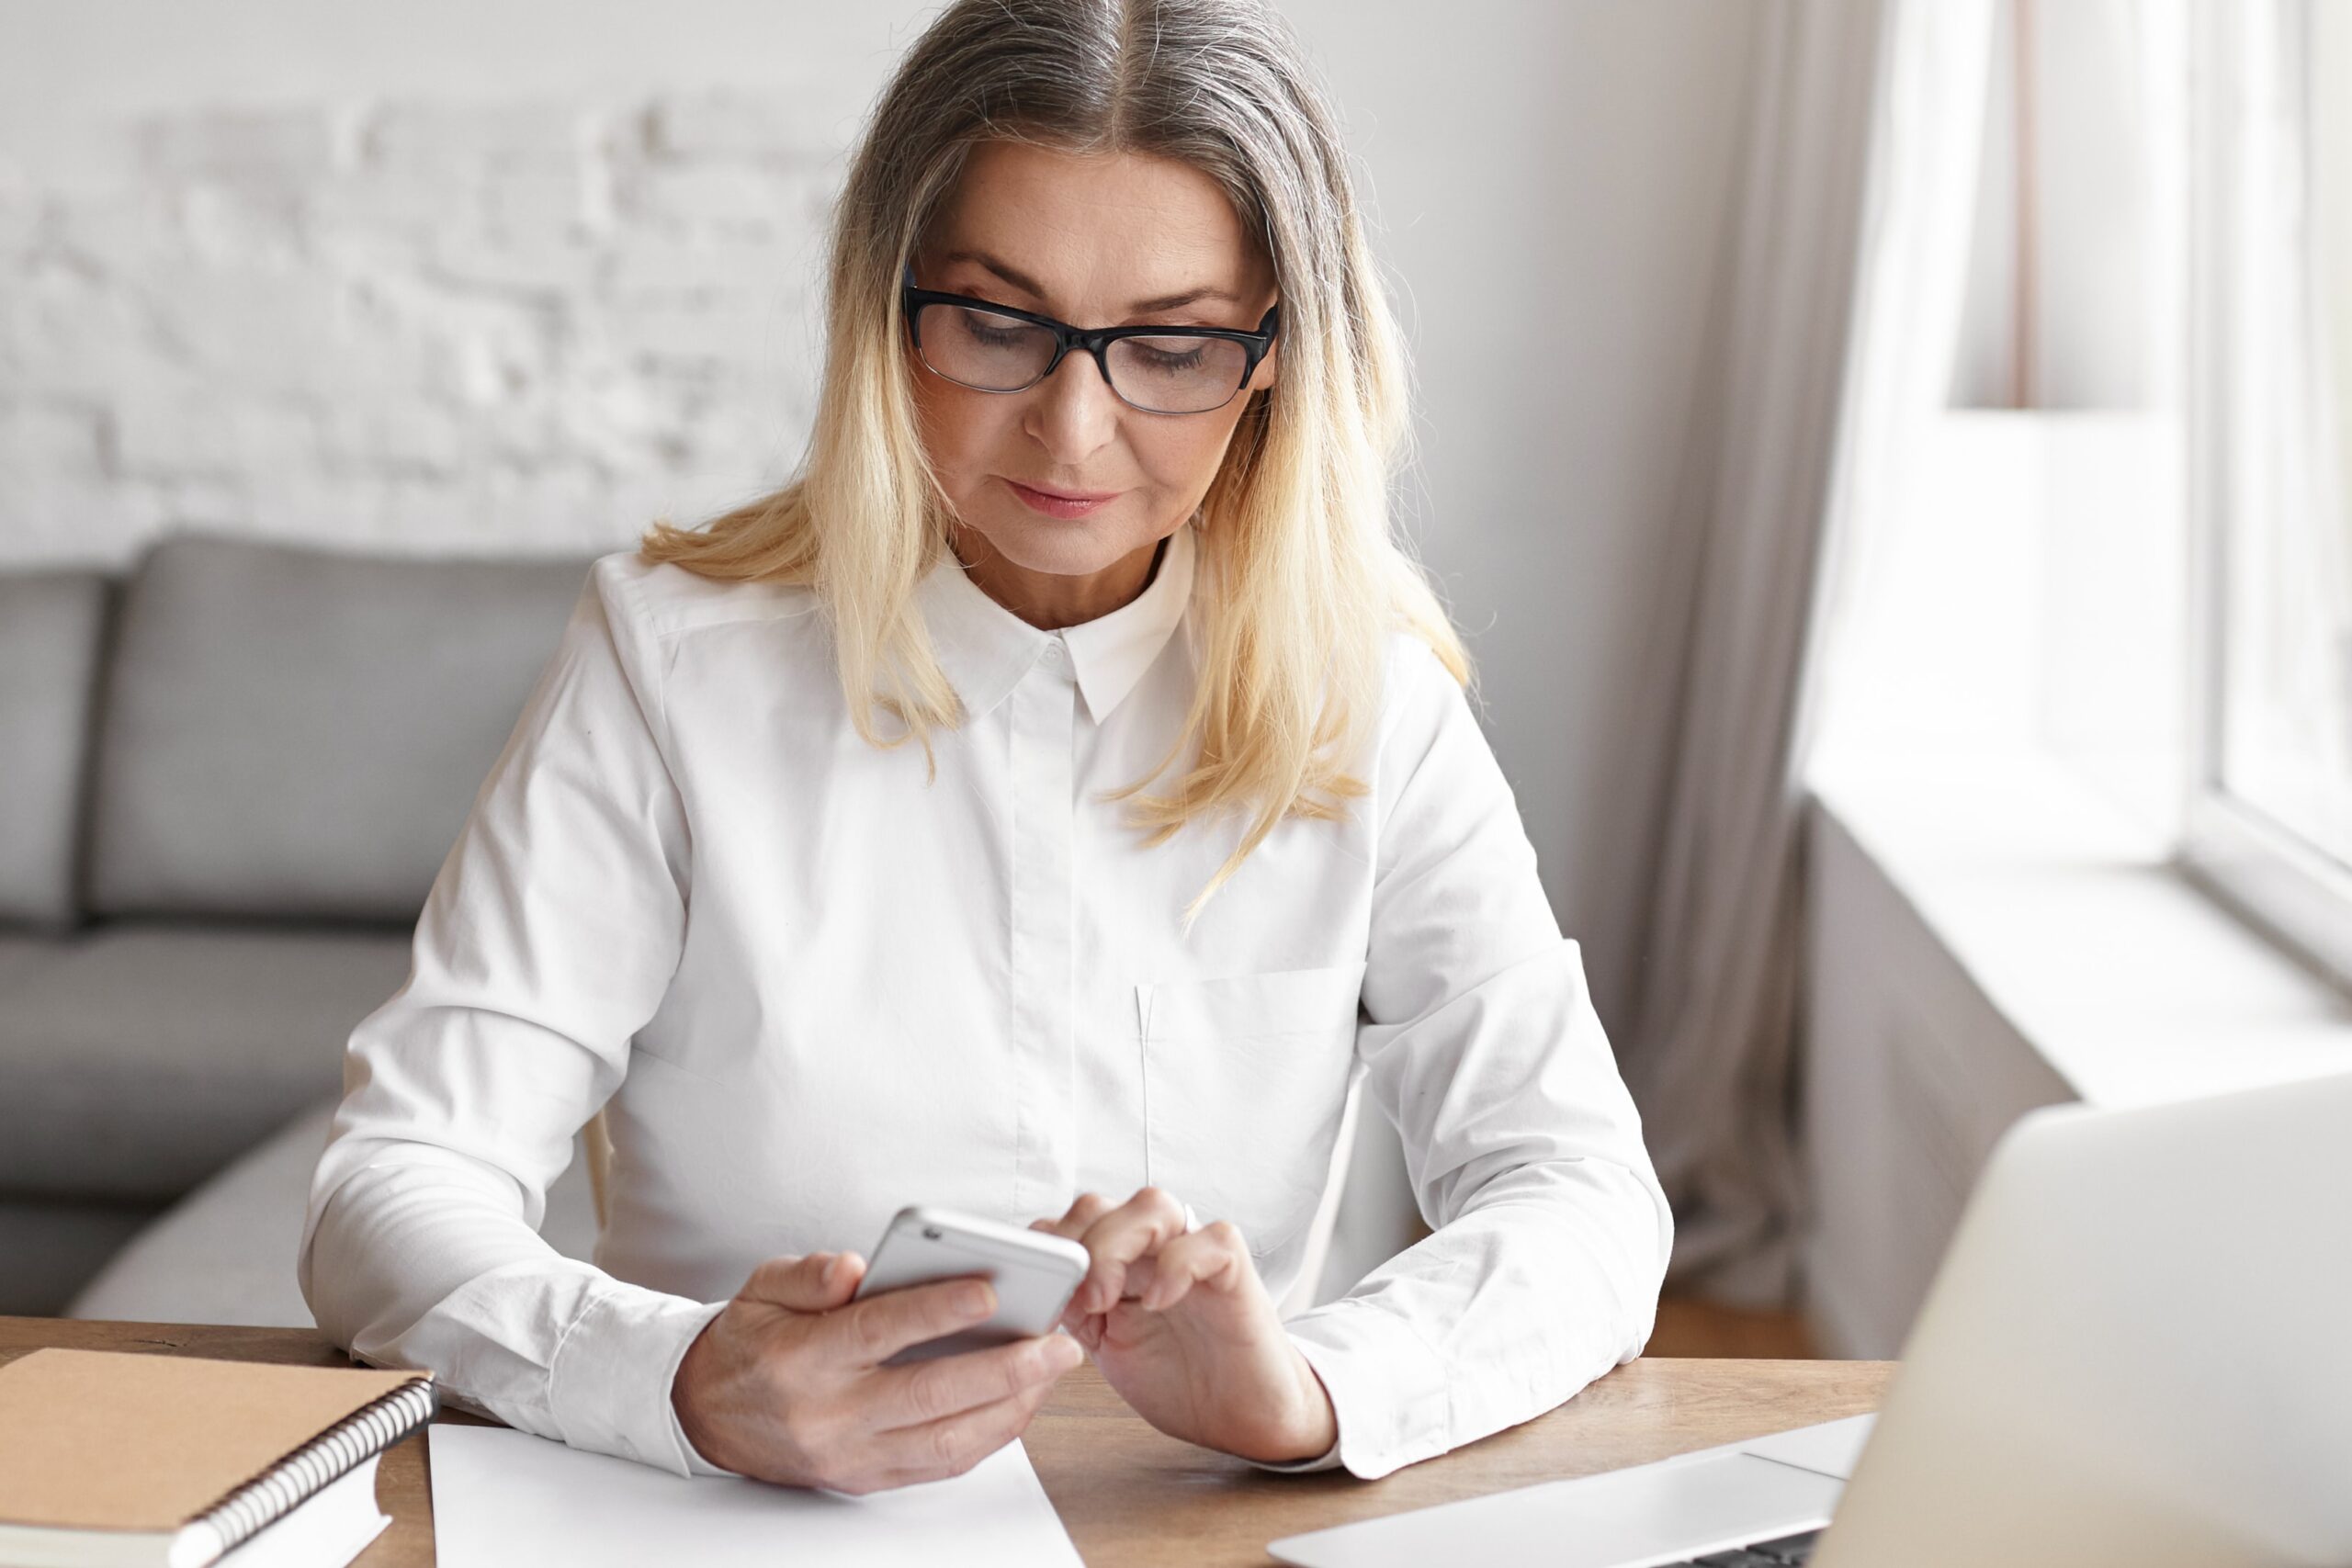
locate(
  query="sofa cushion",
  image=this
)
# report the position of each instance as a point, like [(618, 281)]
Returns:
[(51, 625), (141, 1057), (293, 731), (225, 1253)]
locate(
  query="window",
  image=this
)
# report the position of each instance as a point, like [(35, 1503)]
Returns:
[(2018, 596), (2113, 545)]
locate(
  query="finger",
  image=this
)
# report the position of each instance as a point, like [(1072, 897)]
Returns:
[(930, 1391), (1087, 1208), (1086, 1328), (1137, 1228), (951, 1445), (1212, 1256), (879, 1328), (819, 1282)]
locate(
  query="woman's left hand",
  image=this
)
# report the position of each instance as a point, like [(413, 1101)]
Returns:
[(1183, 1329)]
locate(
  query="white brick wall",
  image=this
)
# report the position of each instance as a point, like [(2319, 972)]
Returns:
[(414, 323)]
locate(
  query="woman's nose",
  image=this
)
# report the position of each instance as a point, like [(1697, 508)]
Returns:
[(1076, 409)]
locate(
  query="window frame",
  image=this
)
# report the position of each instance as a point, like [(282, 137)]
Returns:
[(2258, 866)]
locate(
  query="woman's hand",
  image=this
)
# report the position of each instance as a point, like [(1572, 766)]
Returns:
[(1183, 1329), (786, 1383)]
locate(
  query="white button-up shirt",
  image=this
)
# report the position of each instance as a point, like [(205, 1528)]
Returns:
[(809, 987)]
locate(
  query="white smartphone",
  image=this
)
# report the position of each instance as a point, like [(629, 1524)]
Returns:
[(1034, 1274)]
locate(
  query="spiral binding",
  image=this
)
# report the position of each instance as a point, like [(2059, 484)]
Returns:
[(278, 1490)]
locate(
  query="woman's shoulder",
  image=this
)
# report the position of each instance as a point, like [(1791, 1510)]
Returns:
[(1413, 675), (1409, 656), (663, 599), (1422, 705)]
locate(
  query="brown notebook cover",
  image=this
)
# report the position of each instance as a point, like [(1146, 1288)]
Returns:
[(109, 1440)]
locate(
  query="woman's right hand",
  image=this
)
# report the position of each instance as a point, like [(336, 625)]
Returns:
[(786, 1383)]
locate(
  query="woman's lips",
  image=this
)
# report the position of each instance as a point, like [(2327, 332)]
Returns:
[(1060, 505)]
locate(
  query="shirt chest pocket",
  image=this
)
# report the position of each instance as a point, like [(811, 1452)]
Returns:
[(1245, 1081)]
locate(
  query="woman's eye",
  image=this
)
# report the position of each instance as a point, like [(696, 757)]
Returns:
[(1158, 359)]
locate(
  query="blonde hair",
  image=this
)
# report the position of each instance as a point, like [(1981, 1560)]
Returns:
[(1306, 576)]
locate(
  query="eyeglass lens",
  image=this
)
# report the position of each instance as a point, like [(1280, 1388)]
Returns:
[(1000, 354)]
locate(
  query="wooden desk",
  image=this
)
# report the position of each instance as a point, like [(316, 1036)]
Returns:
[(1131, 1496)]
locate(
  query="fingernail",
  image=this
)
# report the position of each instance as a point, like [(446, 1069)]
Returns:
[(830, 1269), (1066, 1352), (972, 1301)]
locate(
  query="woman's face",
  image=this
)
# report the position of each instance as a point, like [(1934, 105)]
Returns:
[(1083, 239)]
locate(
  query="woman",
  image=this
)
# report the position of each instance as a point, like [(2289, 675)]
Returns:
[(811, 973)]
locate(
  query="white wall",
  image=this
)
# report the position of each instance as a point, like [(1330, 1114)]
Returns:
[(1556, 186), (476, 274)]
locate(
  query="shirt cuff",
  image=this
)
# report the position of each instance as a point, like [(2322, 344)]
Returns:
[(609, 1382), (1388, 1387), (695, 1464), (1330, 1460), (1327, 1460)]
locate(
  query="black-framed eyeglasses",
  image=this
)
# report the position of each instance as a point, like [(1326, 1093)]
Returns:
[(995, 348)]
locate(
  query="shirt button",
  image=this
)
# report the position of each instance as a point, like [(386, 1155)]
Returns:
[(1053, 652)]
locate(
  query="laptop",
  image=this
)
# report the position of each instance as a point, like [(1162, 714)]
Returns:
[(2137, 1349)]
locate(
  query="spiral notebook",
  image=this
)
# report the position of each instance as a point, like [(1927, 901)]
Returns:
[(108, 1459)]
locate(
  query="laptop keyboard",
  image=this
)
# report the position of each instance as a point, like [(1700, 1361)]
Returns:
[(1781, 1553)]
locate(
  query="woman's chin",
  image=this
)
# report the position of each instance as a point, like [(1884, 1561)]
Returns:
[(1076, 546)]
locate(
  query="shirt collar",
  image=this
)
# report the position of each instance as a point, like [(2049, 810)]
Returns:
[(985, 649)]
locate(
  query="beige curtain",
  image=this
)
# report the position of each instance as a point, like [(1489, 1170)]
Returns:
[(1839, 299)]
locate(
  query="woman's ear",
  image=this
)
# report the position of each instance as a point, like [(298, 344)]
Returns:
[(1268, 368)]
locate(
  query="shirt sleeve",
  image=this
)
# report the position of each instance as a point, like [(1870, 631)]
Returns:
[(1550, 1231), (549, 937)]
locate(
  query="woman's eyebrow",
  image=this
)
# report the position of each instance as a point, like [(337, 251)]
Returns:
[(1142, 307)]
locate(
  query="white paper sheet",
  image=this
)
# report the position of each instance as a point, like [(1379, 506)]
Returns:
[(501, 1498)]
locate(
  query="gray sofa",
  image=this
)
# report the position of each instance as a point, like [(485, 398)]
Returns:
[(227, 776)]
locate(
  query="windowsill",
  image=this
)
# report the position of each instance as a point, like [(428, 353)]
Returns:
[(2130, 983)]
